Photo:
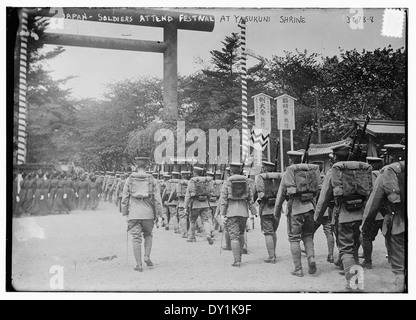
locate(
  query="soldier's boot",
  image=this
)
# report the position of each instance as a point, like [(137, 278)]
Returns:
[(242, 244), (236, 249), (192, 228), (399, 283), (367, 251), (137, 251), (147, 249), (207, 230), (296, 255), (270, 249), (227, 240), (310, 253)]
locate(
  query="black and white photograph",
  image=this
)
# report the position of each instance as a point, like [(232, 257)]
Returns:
[(206, 149)]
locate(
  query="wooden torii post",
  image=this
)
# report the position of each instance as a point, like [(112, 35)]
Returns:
[(170, 21)]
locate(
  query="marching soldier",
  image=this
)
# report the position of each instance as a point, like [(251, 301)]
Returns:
[(141, 204), (390, 191), (179, 193), (40, 204), (165, 208), (53, 189), (197, 203), (22, 193), (172, 205), (82, 190), (371, 233), (104, 187), (119, 189), (348, 183), (114, 187), (215, 197), (300, 185), (110, 183), (30, 192), (93, 192), (235, 202), (267, 186)]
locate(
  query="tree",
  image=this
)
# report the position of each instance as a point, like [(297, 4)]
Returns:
[(50, 114)]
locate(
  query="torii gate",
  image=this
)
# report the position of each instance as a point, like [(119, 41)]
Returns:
[(170, 21)]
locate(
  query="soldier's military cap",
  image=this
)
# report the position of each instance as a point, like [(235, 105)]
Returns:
[(155, 174), (141, 160), (117, 175), (176, 173), (395, 148), (373, 159), (186, 172), (294, 154), (167, 176), (199, 169), (210, 173), (268, 164), (342, 149), (236, 166)]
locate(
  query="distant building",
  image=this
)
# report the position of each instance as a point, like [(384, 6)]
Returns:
[(378, 133)]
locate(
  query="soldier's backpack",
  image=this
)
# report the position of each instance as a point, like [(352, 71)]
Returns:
[(352, 183), (141, 185), (302, 181), (170, 185), (394, 185), (271, 181), (203, 188), (238, 188), (181, 188)]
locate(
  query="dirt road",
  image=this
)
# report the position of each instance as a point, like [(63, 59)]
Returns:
[(91, 248)]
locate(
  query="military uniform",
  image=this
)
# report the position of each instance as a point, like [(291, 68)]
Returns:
[(173, 204), (389, 191), (110, 185), (30, 192), (178, 194), (40, 202), (235, 202), (165, 209), (198, 205), (22, 193), (371, 233), (267, 200), (82, 190), (141, 204), (346, 220), (300, 210), (119, 189), (53, 189), (93, 192), (214, 199)]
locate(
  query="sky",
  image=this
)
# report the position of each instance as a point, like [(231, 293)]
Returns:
[(320, 30)]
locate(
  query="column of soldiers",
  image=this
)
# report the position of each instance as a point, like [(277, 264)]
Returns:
[(59, 192), (352, 202)]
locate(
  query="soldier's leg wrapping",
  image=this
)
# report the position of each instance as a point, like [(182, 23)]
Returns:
[(148, 226), (183, 228), (329, 234), (165, 213), (233, 226), (227, 245), (192, 224), (135, 229), (266, 223), (347, 246), (367, 244), (206, 218), (294, 228), (307, 237), (397, 259)]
